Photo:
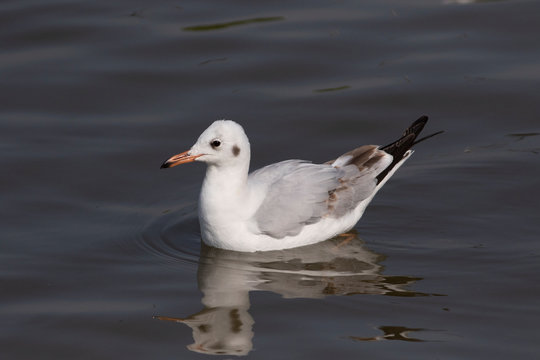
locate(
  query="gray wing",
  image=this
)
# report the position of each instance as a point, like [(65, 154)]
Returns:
[(299, 193)]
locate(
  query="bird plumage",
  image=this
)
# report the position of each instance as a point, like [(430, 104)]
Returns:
[(291, 203)]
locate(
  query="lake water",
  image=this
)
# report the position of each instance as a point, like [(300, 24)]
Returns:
[(100, 254)]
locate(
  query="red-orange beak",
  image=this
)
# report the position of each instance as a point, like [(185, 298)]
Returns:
[(179, 159)]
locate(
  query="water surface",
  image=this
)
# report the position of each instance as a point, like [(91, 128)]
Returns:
[(100, 253)]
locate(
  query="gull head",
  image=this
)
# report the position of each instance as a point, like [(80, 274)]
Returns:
[(224, 143)]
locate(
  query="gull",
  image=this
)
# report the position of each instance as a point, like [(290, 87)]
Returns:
[(291, 203)]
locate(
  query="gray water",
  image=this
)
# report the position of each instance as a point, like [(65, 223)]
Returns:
[(100, 254)]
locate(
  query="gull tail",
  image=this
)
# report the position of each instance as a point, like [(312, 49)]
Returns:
[(399, 149)]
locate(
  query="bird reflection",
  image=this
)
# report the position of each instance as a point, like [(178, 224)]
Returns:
[(392, 333), (340, 266)]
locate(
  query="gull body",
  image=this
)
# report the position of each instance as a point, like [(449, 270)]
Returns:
[(288, 204)]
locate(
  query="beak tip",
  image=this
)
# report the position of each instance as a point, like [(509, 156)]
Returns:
[(179, 159)]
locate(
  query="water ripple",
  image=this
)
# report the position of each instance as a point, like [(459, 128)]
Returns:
[(173, 236), (229, 24)]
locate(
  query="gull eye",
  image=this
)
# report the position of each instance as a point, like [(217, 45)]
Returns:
[(215, 143)]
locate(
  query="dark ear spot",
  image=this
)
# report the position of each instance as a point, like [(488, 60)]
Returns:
[(235, 150)]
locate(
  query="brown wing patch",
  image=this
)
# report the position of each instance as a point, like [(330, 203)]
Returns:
[(360, 156), (363, 157), (357, 181), (374, 159)]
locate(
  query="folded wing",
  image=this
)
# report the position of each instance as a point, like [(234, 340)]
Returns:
[(299, 193)]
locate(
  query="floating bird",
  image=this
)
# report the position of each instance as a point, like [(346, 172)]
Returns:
[(290, 203)]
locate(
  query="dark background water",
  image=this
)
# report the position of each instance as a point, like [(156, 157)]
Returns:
[(96, 241)]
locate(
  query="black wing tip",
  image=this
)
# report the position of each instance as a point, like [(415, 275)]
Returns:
[(421, 120), (417, 126), (428, 136), (399, 148)]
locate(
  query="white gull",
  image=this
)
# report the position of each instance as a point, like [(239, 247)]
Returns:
[(291, 203)]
